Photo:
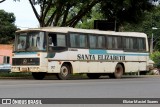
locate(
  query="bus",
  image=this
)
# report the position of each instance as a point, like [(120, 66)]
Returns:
[(64, 51)]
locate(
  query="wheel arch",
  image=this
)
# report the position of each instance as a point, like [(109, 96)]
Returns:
[(70, 66)]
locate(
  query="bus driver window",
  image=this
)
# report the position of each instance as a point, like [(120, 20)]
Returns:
[(52, 40)]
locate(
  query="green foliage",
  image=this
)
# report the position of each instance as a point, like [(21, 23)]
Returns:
[(125, 10), (87, 22), (24, 75), (155, 56), (7, 28), (144, 26)]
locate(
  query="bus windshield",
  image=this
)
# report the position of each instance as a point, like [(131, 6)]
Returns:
[(31, 41)]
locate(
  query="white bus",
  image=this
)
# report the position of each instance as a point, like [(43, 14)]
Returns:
[(64, 51)]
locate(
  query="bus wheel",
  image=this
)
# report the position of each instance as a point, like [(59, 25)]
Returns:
[(93, 75), (38, 75), (64, 72), (118, 72)]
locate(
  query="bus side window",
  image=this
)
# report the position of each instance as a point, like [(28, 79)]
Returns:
[(109, 42), (61, 40), (101, 42), (141, 44), (117, 42), (135, 47), (126, 44), (78, 40), (92, 41)]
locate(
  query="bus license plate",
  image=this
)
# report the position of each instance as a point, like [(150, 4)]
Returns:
[(24, 69)]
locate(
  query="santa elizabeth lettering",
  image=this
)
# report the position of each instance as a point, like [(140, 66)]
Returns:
[(99, 57)]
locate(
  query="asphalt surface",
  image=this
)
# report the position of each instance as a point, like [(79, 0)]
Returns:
[(127, 87)]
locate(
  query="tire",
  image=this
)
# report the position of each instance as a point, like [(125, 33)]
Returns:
[(93, 75), (65, 72), (119, 70), (38, 75)]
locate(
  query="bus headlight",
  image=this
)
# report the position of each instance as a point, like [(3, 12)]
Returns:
[(15, 69)]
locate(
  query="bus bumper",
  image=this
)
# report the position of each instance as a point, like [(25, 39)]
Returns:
[(28, 69), (150, 65)]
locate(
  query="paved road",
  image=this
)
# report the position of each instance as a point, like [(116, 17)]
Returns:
[(133, 87)]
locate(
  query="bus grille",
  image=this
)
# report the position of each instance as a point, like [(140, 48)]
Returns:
[(25, 61)]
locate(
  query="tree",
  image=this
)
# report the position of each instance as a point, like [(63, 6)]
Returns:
[(71, 12), (130, 11), (5, 0), (7, 28), (56, 12), (2, 1), (116, 10)]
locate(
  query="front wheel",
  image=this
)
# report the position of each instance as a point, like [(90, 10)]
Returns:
[(38, 75), (64, 72)]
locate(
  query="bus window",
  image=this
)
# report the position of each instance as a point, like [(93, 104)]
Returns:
[(126, 43), (109, 42), (57, 40), (31, 41), (135, 43), (101, 42), (141, 44), (21, 41), (82, 41), (131, 43), (52, 40), (36, 41), (92, 41), (78, 40), (74, 40), (117, 43), (61, 40)]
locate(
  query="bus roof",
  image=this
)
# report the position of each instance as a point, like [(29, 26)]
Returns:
[(90, 31)]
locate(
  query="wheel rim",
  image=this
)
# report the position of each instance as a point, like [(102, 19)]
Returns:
[(64, 71), (118, 70)]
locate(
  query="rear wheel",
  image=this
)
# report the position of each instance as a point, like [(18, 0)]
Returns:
[(118, 72), (65, 72), (93, 75), (38, 75)]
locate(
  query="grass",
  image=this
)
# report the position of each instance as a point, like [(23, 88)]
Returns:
[(5, 75), (23, 75)]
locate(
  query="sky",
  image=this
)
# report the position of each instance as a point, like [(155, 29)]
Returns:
[(23, 12)]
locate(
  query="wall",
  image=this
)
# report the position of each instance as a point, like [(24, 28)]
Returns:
[(6, 50)]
